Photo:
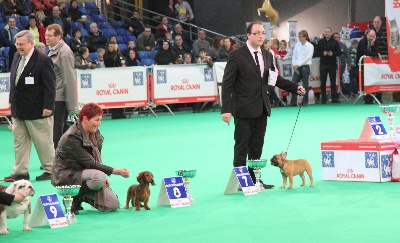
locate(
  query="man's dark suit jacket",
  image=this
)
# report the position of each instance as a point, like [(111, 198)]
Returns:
[(28, 100), (244, 91), (362, 49)]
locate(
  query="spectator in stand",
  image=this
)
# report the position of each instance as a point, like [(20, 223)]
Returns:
[(74, 13), (187, 43), (77, 42), (95, 38), (171, 12), (381, 41), (37, 30), (64, 12), (283, 53), (217, 43), (368, 47), (100, 58), (24, 7), (302, 57), (116, 10), (353, 84), (134, 24), (113, 38), (187, 58), (146, 40), (53, 2), (166, 55), (328, 49), (344, 59), (9, 7), (162, 29), (82, 60), (179, 48), (224, 50), (41, 47), (9, 32), (120, 56), (203, 58), (132, 59), (185, 13), (131, 46), (43, 5), (200, 43), (56, 18), (234, 44), (40, 18)]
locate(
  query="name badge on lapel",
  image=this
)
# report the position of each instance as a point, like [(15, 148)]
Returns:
[(29, 80)]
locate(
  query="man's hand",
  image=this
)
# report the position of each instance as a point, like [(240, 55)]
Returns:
[(226, 117), (19, 197), (301, 90), (330, 53), (325, 53), (47, 112)]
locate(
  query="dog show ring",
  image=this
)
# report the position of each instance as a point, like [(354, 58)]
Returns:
[(187, 174), (257, 165), (68, 192)]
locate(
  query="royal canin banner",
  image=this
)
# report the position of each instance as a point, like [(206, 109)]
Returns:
[(393, 36), (113, 87), (183, 84), (378, 77), (4, 94)]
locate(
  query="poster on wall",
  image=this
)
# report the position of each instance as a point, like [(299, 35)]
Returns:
[(393, 34), (293, 39)]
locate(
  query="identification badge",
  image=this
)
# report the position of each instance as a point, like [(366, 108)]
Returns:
[(29, 80), (182, 11)]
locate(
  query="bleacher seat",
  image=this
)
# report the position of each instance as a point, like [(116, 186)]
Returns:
[(2, 25), (129, 38), (84, 32), (117, 24), (109, 32), (80, 5), (104, 25), (93, 56), (24, 20), (120, 39), (153, 54), (148, 62), (99, 18), (144, 54), (19, 26), (6, 51), (92, 8), (84, 11), (123, 31), (122, 47), (76, 25), (67, 40), (1, 20), (87, 26)]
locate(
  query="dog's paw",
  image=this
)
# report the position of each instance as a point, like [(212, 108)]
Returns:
[(126, 207), (4, 231), (146, 208), (137, 209), (26, 228)]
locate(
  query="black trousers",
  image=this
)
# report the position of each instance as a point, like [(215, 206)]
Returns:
[(249, 140), (324, 70), (60, 125)]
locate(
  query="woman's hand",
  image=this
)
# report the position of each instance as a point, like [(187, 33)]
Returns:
[(124, 172), (107, 183)]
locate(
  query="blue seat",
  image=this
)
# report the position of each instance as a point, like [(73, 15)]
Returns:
[(2, 25), (129, 38), (122, 47), (87, 26), (6, 51), (67, 40), (24, 20), (76, 25), (120, 39), (148, 62), (99, 18), (144, 55), (92, 8), (109, 32), (117, 24), (19, 26), (104, 25), (93, 56), (80, 5), (153, 54), (84, 11), (84, 32), (123, 31)]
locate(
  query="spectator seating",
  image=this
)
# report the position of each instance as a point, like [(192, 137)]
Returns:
[(99, 18), (120, 39), (84, 32), (2, 25), (123, 31), (24, 20), (76, 25), (148, 62), (122, 47), (104, 25), (153, 54), (93, 56), (109, 32), (84, 11), (144, 54), (92, 8), (117, 24), (129, 38)]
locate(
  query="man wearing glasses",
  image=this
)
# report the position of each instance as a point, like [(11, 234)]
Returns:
[(245, 96), (301, 61), (63, 65)]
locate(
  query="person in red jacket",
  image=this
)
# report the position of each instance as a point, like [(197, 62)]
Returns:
[(37, 30)]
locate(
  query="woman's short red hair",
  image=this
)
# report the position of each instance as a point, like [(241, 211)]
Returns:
[(90, 110)]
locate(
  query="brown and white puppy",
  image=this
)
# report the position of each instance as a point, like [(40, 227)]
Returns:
[(290, 168), (140, 193), (25, 188)]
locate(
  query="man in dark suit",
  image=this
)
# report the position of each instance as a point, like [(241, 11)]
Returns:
[(32, 98), (245, 95)]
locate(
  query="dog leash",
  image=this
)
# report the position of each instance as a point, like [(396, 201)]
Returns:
[(298, 113)]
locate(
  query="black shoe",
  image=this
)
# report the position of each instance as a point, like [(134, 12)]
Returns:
[(266, 186), (44, 176), (13, 177), (41, 168), (76, 206), (336, 101)]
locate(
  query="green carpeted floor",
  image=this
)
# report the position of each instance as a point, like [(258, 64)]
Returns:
[(331, 211)]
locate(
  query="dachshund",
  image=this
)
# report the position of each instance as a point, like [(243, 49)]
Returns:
[(140, 193)]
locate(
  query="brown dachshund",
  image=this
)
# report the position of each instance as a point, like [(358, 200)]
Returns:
[(140, 193)]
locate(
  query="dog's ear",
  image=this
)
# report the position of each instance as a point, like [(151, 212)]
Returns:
[(284, 155), (140, 178), (12, 188)]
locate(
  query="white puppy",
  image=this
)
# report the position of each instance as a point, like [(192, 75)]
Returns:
[(25, 188)]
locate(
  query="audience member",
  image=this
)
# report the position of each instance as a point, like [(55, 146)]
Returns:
[(63, 64), (234, 44), (213, 52), (283, 53), (179, 48), (56, 18), (64, 12), (302, 57), (367, 47), (77, 42), (120, 56), (224, 50), (328, 49), (32, 107), (187, 58), (134, 24), (131, 46), (381, 37), (353, 84), (185, 13), (74, 13), (95, 38), (187, 43), (203, 58), (8, 33), (24, 7), (82, 60), (9, 7), (40, 16), (132, 59), (43, 5), (344, 60), (112, 38), (162, 28), (146, 40), (171, 12), (116, 10), (200, 43), (41, 47), (37, 30), (166, 55), (100, 58)]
